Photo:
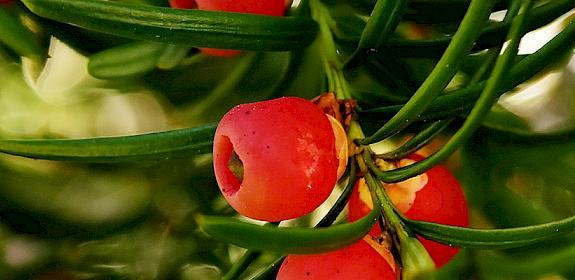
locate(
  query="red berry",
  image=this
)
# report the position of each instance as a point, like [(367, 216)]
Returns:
[(183, 4), (275, 160), (358, 261), (261, 7), (220, 52), (434, 196)]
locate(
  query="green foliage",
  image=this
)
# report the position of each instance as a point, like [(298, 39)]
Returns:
[(492, 238), (287, 240), (16, 36), (103, 181), (185, 27), (155, 146), (126, 60)]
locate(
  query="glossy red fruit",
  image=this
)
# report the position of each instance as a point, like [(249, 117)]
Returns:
[(434, 196), (261, 7), (358, 261), (183, 4), (275, 160)]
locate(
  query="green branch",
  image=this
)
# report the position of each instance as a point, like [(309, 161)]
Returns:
[(443, 72), (196, 28)]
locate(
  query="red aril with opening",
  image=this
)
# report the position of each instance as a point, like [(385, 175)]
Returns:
[(275, 160)]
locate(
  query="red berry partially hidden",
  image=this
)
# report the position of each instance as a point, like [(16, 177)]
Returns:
[(261, 7), (275, 160), (434, 196), (358, 261), (183, 4)]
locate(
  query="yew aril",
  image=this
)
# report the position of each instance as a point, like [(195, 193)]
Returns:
[(361, 260), (434, 196), (6, 3), (260, 7), (183, 4), (275, 160)]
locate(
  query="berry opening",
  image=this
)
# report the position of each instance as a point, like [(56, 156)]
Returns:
[(231, 165), (236, 166)]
